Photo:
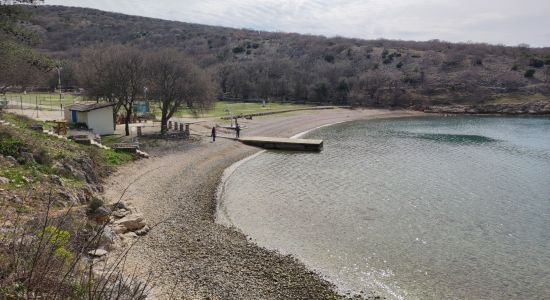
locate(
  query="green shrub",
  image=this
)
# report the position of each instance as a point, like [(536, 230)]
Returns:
[(329, 58), (238, 49), (536, 63), (10, 146), (95, 204), (530, 73), (42, 157)]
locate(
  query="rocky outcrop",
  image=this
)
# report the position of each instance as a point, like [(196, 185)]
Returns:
[(534, 108), (119, 223), (131, 222)]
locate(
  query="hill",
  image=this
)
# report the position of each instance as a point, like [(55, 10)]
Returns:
[(250, 64)]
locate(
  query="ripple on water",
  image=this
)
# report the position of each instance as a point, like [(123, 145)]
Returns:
[(415, 208)]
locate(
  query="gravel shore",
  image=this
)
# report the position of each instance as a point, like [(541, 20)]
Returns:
[(188, 254)]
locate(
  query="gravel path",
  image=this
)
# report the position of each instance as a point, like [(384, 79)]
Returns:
[(189, 255)]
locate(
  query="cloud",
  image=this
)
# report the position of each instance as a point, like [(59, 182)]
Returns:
[(494, 21)]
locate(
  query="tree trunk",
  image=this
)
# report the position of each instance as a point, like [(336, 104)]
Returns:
[(127, 122), (163, 124)]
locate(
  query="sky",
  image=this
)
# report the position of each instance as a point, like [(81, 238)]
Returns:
[(508, 22)]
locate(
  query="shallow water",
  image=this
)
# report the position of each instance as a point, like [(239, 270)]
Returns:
[(417, 208)]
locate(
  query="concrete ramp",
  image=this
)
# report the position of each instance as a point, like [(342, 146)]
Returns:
[(283, 143)]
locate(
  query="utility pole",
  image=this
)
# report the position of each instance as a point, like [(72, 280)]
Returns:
[(59, 82)]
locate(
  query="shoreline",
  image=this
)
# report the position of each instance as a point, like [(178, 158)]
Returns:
[(189, 252), (221, 216)]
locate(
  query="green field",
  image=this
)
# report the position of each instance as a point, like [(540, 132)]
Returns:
[(222, 109), (50, 100)]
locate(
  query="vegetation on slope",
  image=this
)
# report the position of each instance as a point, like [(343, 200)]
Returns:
[(47, 187), (300, 68)]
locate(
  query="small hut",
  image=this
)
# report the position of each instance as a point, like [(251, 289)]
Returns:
[(98, 117)]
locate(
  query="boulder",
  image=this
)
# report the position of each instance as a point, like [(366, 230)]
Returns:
[(4, 180), (119, 229), (67, 170), (28, 158), (102, 214), (98, 252), (121, 205), (120, 213), (108, 237), (143, 231), (132, 222)]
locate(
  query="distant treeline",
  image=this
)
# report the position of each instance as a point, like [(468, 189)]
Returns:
[(250, 64)]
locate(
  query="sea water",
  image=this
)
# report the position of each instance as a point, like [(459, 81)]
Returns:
[(415, 208)]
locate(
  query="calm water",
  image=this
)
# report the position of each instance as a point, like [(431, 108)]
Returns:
[(419, 208)]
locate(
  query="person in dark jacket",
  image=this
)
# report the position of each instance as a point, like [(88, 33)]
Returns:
[(213, 134), (238, 131)]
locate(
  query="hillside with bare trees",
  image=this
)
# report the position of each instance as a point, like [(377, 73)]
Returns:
[(248, 64)]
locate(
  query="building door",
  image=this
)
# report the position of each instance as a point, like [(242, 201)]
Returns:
[(74, 118)]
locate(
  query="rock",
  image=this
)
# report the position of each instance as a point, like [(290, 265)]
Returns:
[(108, 237), (11, 159), (120, 213), (132, 222), (68, 197), (16, 200), (120, 205), (57, 180), (28, 158), (98, 252), (88, 191), (143, 231), (102, 214), (102, 211), (86, 165), (68, 170), (119, 229), (4, 180)]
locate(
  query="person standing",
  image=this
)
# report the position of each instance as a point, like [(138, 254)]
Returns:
[(238, 130), (213, 134)]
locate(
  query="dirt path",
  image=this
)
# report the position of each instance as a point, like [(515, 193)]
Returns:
[(189, 254)]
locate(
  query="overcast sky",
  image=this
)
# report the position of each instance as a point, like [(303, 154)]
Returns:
[(508, 22)]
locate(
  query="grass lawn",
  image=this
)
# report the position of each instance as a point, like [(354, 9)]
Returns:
[(45, 99), (222, 109)]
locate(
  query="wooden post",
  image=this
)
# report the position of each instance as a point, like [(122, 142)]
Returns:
[(181, 127), (187, 129), (169, 124), (139, 131), (175, 126)]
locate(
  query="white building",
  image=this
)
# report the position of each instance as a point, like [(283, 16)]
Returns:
[(97, 116)]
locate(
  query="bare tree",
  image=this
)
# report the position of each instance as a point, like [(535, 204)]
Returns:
[(175, 81), (114, 74)]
